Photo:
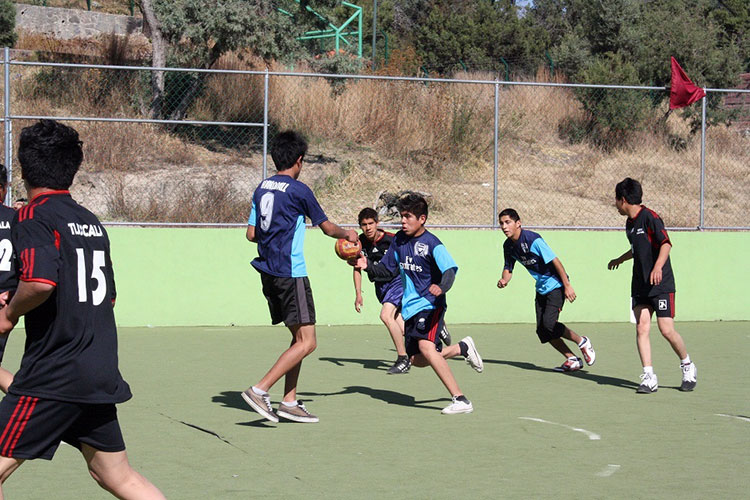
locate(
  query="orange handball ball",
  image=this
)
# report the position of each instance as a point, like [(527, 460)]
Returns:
[(346, 250)]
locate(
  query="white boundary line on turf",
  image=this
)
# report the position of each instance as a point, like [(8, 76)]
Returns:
[(732, 416), (608, 470), (592, 435)]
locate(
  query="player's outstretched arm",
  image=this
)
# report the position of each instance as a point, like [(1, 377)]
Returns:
[(29, 295), (358, 290), (615, 263), (504, 279), (336, 231)]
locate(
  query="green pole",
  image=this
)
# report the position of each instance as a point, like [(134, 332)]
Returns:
[(385, 38), (132, 8), (88, 4), (507, 69), (551, 63)]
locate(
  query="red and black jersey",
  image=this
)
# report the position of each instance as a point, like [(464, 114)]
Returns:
[(375, 250), (8, 279), (647, 234), (71, 338)]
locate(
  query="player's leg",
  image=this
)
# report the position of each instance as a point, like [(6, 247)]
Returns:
[(112, 471), (583, 343), (7, 466), (459, 402), (303, 343), (551, 331), (391, 318), (649, 382), (665, 321)]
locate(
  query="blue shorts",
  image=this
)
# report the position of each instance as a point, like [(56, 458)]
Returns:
[(391, 292), (425, 325)]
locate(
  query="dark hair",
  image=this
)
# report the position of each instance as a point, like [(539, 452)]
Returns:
[(3, 175), (367, 213), (629, 190), (286, 148), (413, 203), (509, 212), (50, 154)]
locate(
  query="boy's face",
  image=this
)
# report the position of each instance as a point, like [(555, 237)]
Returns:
[(411, 224), (369, 228), (620, 204), (511, 228)]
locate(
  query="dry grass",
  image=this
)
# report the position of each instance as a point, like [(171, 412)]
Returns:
[(106, 6)]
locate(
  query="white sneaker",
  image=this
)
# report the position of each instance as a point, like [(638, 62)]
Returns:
[(462, 405), (589, 356), (689, 377), (649, 384), (571, 365), (472, 356)]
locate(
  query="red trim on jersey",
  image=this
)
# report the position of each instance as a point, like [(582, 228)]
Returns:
[(24, 421), (57, 239), (39, 280), (12, 418), (432, 335), (52, 191), (25, 273)]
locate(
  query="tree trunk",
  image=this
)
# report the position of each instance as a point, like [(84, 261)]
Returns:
[(158, 58)]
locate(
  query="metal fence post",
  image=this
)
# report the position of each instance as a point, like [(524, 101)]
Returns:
[(265, 124), (701, 223), (8, 137), (495, 188)]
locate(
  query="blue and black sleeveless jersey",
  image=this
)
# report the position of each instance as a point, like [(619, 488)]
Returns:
[(420, 261), (71, 338), (536, 256), (280, 205), (375, 252), (8, 278), (646, 234)]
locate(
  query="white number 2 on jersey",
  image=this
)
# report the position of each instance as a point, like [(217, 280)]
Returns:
[(6, 252), (266, 210), (97, 274)]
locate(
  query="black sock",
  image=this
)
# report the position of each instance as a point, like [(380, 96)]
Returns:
[(464, 348), (399, 358), (462, 398)]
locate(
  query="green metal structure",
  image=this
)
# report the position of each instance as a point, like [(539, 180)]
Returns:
[(340, 34)]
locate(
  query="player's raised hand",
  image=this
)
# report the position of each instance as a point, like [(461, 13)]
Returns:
[(358, 303), (351, 235), (359, 262)]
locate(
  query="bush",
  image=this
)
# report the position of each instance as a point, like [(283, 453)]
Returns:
[(7, 23)]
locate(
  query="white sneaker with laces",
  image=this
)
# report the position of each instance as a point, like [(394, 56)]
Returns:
[(649, 384), (461, 405), (689, 377), (572, 364), (589, 356), (472, 355)]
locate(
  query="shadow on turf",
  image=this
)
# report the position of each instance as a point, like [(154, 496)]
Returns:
[(390, 397), (599, 379), (369, 364)]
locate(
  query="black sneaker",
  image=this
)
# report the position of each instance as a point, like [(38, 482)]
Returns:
[(401, 365), (445, 336)]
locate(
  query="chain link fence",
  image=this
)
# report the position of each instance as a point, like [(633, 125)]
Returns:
[(195, 153)]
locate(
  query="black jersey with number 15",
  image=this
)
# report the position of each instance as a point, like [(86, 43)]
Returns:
[(646, 233), (71, 339)]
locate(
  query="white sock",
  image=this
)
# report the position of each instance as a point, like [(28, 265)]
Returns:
[(291, 404), (648, 369), (685, 361), (258, 391)]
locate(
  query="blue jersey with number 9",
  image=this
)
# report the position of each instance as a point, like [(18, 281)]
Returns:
[(280, 205)]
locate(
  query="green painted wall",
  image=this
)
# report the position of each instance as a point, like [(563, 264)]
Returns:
[(179, 277)]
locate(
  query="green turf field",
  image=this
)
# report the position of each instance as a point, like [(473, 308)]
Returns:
[(534, 433)]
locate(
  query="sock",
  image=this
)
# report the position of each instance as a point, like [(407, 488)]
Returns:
[(461, 398), (464, 348), (648, 369), (583, 341), (289, 404), (401, 357), (685, 361), (258, 391)]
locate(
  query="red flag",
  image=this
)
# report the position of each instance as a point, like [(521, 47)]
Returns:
[(683, 92)]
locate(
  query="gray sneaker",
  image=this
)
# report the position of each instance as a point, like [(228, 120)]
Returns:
[(261, 404), (297, 413)]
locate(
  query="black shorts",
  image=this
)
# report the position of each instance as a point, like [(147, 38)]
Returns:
[(548, 309), (662, 305), (425, 325), (33, 428), (289, 299)]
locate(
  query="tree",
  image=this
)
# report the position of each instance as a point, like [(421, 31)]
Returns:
[(7, 23)]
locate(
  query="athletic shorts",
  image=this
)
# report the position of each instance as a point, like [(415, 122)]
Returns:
[(289, 299), (425, 325), (33, 427), (663, 305), (391, 292), (548, 309)]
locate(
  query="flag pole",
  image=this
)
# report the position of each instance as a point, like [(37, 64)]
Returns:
[(703, 161)]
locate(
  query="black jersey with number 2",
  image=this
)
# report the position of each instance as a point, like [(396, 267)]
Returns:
[(71, 338), (8, 278), (646, 233)]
